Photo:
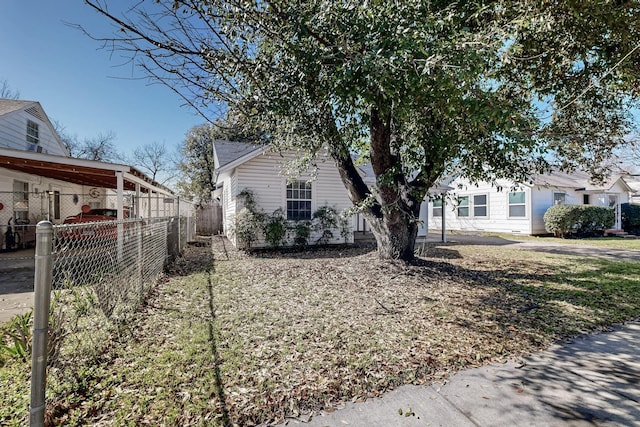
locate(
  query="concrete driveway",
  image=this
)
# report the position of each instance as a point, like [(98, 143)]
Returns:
[(16, 283), (562, 247)]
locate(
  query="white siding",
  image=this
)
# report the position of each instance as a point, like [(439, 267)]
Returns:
[(542, 199), (228, 208), (262, 175), (497, 219), (13, 134), (39, 208)]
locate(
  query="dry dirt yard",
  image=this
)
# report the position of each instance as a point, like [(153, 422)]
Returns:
[(253, 339)]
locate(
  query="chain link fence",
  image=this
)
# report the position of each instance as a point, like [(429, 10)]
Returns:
[(20, 211), (100, 274)]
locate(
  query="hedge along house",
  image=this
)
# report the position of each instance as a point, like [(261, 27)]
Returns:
[(509, 207)]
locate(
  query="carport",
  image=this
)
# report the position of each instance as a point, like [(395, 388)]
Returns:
[(16, 267), (86, 172)]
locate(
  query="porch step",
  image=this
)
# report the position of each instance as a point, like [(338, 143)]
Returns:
[(363, 237), (620, 233)]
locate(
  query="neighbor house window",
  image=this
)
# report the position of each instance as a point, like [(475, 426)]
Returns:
[(480, 205), (437, 208), (20, 202), (463, 206), (517, 204), (299, 200), (32, 132), (559, 198), (585, 199)]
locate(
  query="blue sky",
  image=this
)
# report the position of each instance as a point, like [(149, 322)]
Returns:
[(85, 88)]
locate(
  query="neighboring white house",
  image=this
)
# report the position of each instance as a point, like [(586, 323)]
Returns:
[(38, 179), (25, 126), (634, 182), (519, 208)]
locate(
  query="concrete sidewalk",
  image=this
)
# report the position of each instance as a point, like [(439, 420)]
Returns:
[(593, 380)]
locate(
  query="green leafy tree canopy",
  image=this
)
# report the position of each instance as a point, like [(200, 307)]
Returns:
[(487, 89)]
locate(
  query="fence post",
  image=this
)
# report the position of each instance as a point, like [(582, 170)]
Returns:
[(140, 226), (41, 304), (179, 227)]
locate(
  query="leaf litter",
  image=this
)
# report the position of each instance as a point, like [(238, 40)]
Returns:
[(254, 339)]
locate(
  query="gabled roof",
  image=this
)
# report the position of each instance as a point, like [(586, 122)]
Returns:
[(10, 105), (34, 108), (633, 181), (228, 153), (579, 181)]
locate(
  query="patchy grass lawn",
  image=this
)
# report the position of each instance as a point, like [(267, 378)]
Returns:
[(238, 339)]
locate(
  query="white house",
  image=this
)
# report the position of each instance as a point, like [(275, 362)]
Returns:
[(38, 179), (634, 182), (519, 207), (242, 166), (256, 168), (25, 126)]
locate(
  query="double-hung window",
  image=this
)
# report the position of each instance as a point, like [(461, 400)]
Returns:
[(463, 206), (517, 204), (437, 207), (299, 200), (33, 135), (480, 205), (559, 198)]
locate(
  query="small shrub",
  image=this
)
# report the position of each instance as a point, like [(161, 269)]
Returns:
[(275, 228), (246, 227), (301, 233), (18, 337), (563, 220), (248, 199), (631, 218), (248, 222), (345, 227), (325, 219)]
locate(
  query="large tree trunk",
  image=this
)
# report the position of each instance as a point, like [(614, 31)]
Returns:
[(395, 235), (393, 214)]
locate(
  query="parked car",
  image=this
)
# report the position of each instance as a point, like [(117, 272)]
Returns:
[(95, 215), (94, 231)]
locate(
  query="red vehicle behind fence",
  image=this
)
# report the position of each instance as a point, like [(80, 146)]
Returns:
[(101, 231)]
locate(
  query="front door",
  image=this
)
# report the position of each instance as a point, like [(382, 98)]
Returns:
[(613, 202)]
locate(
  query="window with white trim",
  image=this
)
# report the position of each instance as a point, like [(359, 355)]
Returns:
[(480, 205), (33, 135), (559, 198), (517, 204), (299, 200), (436, 210), (463, 206)]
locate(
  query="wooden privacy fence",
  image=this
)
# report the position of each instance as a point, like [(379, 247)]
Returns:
[(209, 219)]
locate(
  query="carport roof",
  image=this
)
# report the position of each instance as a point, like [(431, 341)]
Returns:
[(78, 171)]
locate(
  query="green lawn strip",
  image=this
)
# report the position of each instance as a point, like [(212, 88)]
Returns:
[(565, 295), (162, 372)]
